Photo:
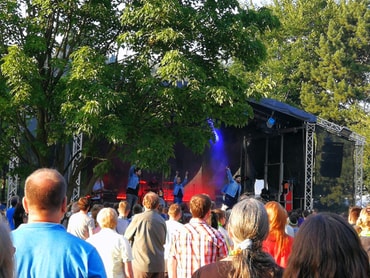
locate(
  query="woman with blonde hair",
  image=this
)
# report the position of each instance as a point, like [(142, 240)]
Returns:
[(278, 244), (363, 221), (363, 224), (248, 227), (353, 215)]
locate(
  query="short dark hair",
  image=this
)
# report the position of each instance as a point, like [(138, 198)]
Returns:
[(14, 201), (137, 169)]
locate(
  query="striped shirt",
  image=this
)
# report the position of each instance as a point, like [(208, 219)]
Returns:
[(195, 245)]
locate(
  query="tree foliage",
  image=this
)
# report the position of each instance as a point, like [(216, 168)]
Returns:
[(319, 61), (134, 77)]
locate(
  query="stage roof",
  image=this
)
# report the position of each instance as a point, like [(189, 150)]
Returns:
[(287, 109)]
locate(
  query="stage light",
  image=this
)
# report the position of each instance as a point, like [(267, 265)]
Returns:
[(345, 132), (270, 122)]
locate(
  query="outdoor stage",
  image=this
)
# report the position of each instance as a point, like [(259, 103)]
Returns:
[(294, 154)]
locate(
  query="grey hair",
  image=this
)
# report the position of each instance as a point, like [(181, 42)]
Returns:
[(249, 220)]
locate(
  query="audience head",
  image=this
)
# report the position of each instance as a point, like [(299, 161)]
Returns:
[(306, 213), (221, 214), (14, 201), (293, 219), (151, 200), (277, 216), (200, 205), (74, 207), (94, 212), (174, 211), (363, 221), (137, 208), (83, 203), (6, 251), (248, 220), (107, 218), (213, 220), (248, 227), (123, 208), (327, 246), (137, 171), (45, 194), (353, 214)]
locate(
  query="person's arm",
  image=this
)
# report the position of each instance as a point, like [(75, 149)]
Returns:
[(175, 179), (229, 175), (130, 231), (172, 267), (185, 178), (128, 270), (126, 256), (91, 227), (131, 171), (223, 190)]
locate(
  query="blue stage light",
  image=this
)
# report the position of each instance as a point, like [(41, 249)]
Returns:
[(270, 122)]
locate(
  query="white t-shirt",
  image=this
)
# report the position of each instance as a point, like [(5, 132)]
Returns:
[(114, 250), (122, 224), (172, 227), (81, 225)]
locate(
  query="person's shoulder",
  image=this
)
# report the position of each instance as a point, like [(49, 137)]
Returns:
[(217, 233), (214, 270), (179, 225), (158, 217), (75, 215), (33, 228), (79, 244)]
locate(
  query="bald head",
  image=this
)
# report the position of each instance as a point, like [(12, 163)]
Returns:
[(45, 190)]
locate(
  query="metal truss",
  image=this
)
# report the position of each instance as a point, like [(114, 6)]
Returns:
[(358, 158), (13, 180), (310, 130), (76, 154), (358, 152)]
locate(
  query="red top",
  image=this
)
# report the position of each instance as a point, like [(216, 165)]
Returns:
[(281, 255)]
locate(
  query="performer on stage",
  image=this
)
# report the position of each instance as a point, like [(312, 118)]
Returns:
[(133, 185), (178, 187), (231, 191), (97, 190)]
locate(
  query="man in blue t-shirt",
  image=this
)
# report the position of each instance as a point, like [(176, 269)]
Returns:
[(231, 191), (133, 186), (178, 187), (43, 248)]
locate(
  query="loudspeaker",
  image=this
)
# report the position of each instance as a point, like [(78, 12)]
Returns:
[(331, 159)]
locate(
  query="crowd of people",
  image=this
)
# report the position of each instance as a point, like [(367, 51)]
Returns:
[(245, 237)]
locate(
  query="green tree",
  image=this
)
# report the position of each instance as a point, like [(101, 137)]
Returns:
[(319, 61), (134, 77)]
